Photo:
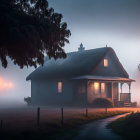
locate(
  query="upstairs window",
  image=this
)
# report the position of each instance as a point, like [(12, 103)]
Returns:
[(105, 62), (59, 87)]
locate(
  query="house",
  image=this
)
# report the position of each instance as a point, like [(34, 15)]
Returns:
[(80, 78)]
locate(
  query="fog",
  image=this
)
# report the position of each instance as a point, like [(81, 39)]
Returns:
[(95, 23)]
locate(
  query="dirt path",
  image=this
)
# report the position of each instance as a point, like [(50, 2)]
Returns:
[(97, 130)]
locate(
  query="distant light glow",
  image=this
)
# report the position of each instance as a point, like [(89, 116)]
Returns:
[(4, 85)]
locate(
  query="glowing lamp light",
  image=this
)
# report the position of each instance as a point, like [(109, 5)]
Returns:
[(4, 85), (96, 85), (102, 87)]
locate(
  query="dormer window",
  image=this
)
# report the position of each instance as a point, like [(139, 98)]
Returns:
[(105, 62), (59, 87)]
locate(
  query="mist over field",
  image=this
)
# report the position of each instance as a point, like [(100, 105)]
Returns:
[(95, 23)]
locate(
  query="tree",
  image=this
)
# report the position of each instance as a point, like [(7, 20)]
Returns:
[(139, 67), (28, 30)]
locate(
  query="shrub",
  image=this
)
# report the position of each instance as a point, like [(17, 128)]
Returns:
[(27, 100), (103, 102)]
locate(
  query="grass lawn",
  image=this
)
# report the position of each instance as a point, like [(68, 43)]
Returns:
[(21, 123), (128, 127)]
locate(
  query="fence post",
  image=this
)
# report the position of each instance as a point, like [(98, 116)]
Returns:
[(1, 124), (86, 112), (38, 116), (62, 116)]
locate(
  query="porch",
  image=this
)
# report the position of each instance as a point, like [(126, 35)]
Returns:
[(106, 87)]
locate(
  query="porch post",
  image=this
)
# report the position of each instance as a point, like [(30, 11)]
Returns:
[(112, 90), (86, 102), (118, 92), (129, 84), (121, 84)]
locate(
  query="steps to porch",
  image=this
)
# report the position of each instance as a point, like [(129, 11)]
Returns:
[(127, 104), (124, 104)]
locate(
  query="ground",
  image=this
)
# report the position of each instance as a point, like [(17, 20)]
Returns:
[(128, 127), (18, 123)]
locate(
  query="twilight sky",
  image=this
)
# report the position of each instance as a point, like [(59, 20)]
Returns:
[(95, 23)]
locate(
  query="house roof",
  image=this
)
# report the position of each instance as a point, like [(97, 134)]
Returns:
[(103, 78), (75, 64)]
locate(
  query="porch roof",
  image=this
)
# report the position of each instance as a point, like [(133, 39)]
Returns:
[(103, 78)]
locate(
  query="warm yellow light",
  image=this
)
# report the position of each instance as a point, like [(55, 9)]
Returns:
[(102, 87), (59, 87), (10, 85), (4, 85), (96, 85), (105, 62)]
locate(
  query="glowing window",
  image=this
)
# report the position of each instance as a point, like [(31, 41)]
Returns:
[(59, 87), (96, 87), (105, 62), (102, 87)]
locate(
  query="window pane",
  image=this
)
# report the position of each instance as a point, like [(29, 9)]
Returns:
[(59, 87), (102, 87), (105, 63), (96, 87)]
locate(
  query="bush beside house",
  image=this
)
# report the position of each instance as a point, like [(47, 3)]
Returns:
[(103, 102)]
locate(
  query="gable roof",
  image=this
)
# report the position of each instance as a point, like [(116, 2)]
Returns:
[(75, 64)]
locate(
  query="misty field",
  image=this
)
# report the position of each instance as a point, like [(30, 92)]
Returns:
[(22, 122)]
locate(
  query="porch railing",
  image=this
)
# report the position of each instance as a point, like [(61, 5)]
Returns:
[(126, 97)]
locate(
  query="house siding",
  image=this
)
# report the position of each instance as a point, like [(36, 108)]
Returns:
[(46, 92), (73, 92), (79, 92), (114, 69)]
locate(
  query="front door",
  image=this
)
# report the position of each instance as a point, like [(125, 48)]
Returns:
[(108, 90)]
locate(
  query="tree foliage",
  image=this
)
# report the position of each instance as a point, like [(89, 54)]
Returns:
[(28, 30), (139, 67)]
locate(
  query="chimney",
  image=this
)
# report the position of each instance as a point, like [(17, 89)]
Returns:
[(81, 48)]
